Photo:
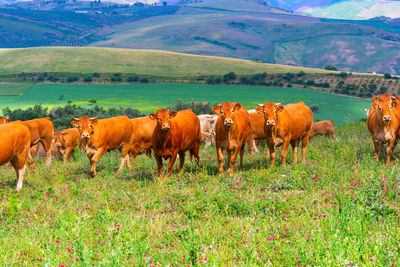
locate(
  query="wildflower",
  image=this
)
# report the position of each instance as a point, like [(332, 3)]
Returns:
[(315, 218), (324, 215), (375, 157), (40, 259)]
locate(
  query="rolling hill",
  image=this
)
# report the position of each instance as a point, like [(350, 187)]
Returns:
[(112, 60)]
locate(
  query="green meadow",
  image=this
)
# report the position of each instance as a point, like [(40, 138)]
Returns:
[(149, 97), (14, 89), (339, 209)]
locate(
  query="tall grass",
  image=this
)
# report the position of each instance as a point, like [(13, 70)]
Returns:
[(341, 208)]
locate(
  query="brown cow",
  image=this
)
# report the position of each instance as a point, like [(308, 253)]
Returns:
[(66, 141), (4, 120), (231, 133), (286, 125), (257, 122), (383, 124), (15, 141), (42, 130), (326, 128), (39, 152), (174, 134), (143, 129), (207, 125), (103, 135)]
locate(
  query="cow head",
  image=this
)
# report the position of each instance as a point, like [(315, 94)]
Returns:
[(384, 105), (85, 126), (59, 138), (4, 120), (163, 118), (270, 111), (226, 111)]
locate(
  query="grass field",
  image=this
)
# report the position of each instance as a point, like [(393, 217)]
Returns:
[(341, 208), (14, 89), (112, 60), (149, 97)]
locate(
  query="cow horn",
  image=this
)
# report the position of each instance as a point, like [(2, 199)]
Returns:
[(260, 105), (394, 98), (278, 104), (75, 119), (93, 118)]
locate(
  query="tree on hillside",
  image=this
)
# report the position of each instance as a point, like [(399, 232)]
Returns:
[(330, 67), (387, 75)]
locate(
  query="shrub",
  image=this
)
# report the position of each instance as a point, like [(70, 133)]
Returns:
[(144, 80), (92, 101), (343, 74), (133, 78), (210, 80), (72, 78), (87, 78), (300, 74), (229, 77)]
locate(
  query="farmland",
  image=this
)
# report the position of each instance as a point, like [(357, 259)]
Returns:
[(340, 208), (149, 97), (14, 89)]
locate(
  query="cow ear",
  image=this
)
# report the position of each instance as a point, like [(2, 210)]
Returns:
[(8, 121), (279, 108), (237, 106), (259, 110), (152, 116), (216, 110), (94, 122), (74, 123), (173, 114), (63, 133), (374, 98)]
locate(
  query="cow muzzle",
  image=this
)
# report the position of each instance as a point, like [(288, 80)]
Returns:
[(165, 127), (58, 144), (270, 123), (387, 118), (85, 136), (228, 122)]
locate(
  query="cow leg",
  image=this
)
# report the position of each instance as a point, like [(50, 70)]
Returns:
[(304, 147), (228, 160), (271, 150), (172, 162), (220, 157), (124, 157), (46, 145), (294, 148), (181, 161), (99, 153), (251, 144), (233, 159), (67, 153), (285, 147), (159, 163), (195, 151), (255, 147), (376, 148), (390, 148), (31, 162), (241, 158), (18, 162)]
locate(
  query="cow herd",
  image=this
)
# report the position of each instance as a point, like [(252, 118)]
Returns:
[(169, 134)]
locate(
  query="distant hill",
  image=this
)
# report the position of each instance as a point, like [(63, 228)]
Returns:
[(343, 9), (219, 28), (245, 29)]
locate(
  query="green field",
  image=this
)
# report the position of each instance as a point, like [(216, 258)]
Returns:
[(112, 60), (149, 97), (14, 89), (340, 209)]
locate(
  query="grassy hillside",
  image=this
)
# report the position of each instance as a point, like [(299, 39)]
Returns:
[(240, 29), (108, 60), (341, 208), (149, 97)]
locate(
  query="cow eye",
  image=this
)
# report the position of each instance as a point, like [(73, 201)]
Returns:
[(380, 108), (222, 112), (79, 126), (275, 111), (233, 110), (90, 125)]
